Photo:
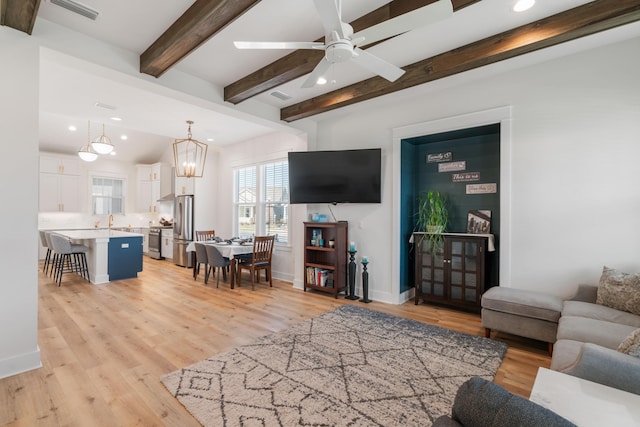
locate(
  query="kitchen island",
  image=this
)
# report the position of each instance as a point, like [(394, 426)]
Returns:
[(113, 254)]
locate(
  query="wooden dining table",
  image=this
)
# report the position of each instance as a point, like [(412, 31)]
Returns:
[(228, 250)]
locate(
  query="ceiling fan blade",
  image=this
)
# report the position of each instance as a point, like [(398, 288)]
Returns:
[(376, 65), (420, 17), (279, 45), (317, 72), (330, 16)]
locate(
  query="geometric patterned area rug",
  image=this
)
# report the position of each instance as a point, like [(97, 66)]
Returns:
[(350, 366)]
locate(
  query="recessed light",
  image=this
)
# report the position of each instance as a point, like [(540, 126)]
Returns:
[(72, 128), (123, 137), (522, 5), (113, 153), (116, 119), (210, 139), (321, 81)]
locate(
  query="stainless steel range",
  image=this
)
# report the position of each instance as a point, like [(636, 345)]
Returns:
[(155, 243)]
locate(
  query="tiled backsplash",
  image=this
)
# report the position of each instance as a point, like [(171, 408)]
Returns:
[(62, 220)]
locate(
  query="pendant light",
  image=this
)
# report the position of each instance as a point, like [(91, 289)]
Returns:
[(102, 144), (189, 156), (85, 152)]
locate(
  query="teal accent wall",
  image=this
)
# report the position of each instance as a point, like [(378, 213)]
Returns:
[(480, 148), (408, 170)]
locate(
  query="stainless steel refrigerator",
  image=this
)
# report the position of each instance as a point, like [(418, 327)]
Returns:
[(182, 230)]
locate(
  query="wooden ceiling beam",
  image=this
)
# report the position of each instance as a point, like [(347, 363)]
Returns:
[(19, 14), (301, 62), (599, 15), (197, 25)]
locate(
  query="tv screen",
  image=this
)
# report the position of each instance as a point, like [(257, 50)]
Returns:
[(347, 176)]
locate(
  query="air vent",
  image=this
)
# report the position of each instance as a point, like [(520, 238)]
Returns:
[(280, 95), (76, 7), (105, 106)]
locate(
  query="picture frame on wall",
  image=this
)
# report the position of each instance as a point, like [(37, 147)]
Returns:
[(479, 222)]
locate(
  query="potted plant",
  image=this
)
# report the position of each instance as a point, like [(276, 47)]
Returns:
[(432, 217)]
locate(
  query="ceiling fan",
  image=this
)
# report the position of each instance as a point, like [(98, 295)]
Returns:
[(341, 44)]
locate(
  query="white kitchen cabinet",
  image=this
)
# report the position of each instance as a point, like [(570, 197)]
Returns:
[(167, 243), (59, 185), (154, 182), (59, 165), (145, 237), (145, 241)]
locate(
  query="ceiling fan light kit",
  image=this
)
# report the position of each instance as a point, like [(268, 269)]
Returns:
[(342, 44), (522, 5), (189, 156)]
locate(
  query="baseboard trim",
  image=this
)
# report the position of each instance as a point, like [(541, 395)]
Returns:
[(20, 364)]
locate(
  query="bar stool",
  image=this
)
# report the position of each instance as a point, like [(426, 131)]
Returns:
[(45, 244), (53, 256), (72, 255)]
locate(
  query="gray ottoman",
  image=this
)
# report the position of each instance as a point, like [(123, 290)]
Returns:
[(525, 313)]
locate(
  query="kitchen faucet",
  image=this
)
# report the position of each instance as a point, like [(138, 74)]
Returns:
[(110, 220)]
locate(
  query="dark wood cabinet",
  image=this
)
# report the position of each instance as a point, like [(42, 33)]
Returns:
[(325, 263), (455, 274)]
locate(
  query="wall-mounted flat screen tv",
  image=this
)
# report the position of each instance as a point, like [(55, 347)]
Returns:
[(345, 176)]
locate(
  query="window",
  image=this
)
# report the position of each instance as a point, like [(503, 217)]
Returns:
[(246, 201), (262, 201), (107, 196), (275, 197)]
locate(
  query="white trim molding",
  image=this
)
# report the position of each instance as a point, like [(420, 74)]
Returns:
[(20, 363)]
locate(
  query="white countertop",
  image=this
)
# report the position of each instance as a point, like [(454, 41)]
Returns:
[(491, 246), (96, 234)]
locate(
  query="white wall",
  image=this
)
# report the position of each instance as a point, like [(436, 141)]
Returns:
[(575, 147), (18, 213), (206, 192), (286, 261)]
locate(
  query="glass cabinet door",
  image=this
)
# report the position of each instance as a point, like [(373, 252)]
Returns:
[(454, 274)]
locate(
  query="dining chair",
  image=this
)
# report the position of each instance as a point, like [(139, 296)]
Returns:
[(203, 235), (201, 258), (260, 260), (216, 262)]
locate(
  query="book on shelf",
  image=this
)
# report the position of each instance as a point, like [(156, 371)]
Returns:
[(317, 276)]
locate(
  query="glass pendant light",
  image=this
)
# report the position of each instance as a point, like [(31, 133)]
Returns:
[(85, 152), (102, 144)]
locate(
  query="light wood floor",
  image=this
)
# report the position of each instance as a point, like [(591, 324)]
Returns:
[(104, 347)]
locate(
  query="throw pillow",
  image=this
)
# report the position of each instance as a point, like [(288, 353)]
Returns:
[(631, 344), (619, 290)]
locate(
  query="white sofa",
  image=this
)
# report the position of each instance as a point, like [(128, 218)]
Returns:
[(589, 335)]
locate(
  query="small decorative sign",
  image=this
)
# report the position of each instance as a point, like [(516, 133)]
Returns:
[(452, 166), (440, 157), (465, 177), (482, 188)]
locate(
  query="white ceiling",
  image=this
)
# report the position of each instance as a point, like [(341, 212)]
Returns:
[(68, 95)]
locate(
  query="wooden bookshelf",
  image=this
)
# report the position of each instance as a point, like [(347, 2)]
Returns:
[(325, 267)]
